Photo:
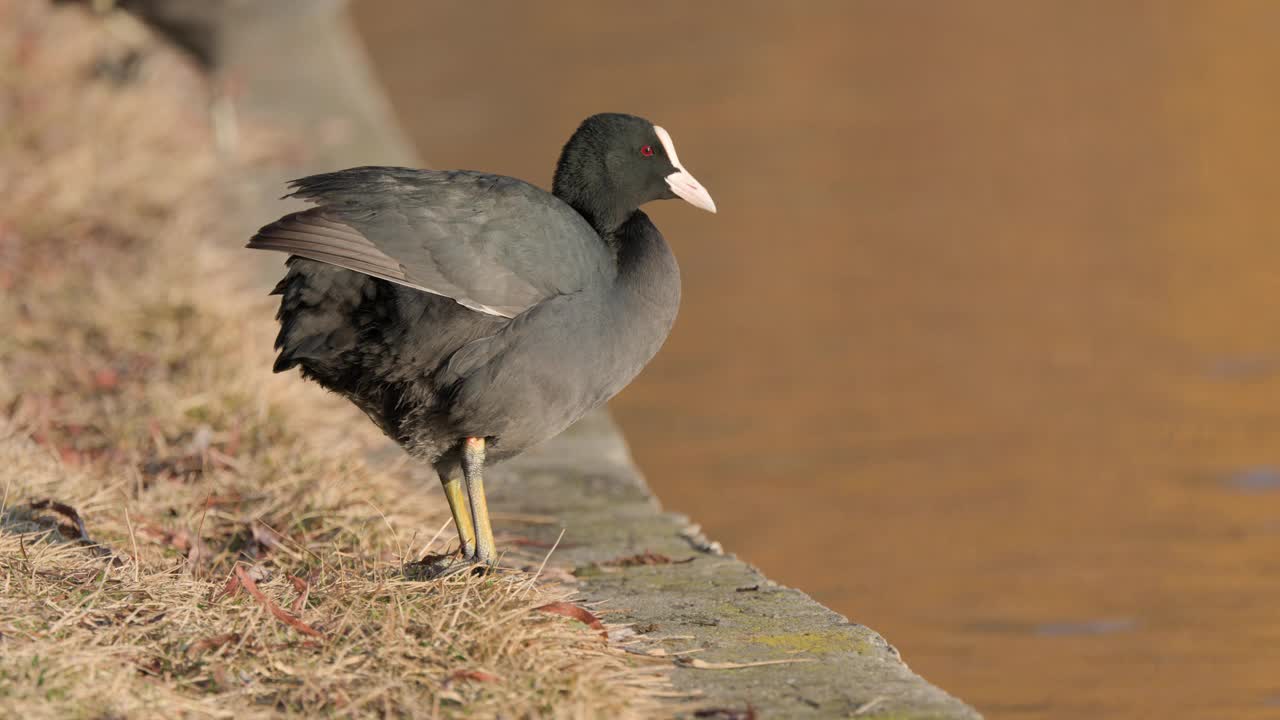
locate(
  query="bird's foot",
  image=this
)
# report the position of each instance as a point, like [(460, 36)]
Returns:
[(434, 566)]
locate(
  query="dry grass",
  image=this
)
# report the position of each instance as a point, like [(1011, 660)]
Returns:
[(242, 558)]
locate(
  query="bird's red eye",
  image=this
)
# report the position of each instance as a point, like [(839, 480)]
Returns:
[(647, 150)]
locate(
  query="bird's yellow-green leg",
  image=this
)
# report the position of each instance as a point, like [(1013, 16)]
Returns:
[(460, 506), (472, 471)]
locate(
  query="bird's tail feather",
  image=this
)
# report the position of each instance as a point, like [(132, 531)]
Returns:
[(317, 301)]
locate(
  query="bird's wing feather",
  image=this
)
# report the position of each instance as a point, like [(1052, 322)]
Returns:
[(494, 244)]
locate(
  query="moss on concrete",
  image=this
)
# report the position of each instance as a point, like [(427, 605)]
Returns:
[(816, 643)]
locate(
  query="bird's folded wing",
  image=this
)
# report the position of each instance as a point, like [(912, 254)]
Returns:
[(494, 244)]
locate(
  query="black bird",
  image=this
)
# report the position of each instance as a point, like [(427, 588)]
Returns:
[(472, 316)]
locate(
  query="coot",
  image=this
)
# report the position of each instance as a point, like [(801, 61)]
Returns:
[(471, 315)]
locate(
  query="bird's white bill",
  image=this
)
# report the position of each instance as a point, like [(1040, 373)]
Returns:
[(682, 183), (687, 188)]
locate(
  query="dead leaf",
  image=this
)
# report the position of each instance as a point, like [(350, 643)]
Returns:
[(645, 558), (175, 465), (283, 616), (79, 532), (704, 665), (575, 612), (233, 498), (212, 643), (477, 675), (182, 540), (229, 589), (726, 713), (66, 511), (106, 379), (304, 590)]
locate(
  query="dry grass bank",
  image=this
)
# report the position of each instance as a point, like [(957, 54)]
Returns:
[(241, 558)]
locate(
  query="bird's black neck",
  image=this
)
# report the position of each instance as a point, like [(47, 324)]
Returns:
[(600, 209), (583, 181)]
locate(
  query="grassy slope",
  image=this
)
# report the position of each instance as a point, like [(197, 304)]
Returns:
[(135, 388)]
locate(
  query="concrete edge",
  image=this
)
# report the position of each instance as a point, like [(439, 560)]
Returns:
[(705, 600)]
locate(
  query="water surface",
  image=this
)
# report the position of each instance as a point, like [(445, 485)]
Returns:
[(982, 349)]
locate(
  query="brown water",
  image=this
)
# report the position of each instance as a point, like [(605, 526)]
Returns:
[(982, 348)]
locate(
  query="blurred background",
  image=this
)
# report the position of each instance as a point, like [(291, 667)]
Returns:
[(980, 349)]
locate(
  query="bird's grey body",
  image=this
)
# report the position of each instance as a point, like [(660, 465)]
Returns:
[(431, 371), (456, 306)]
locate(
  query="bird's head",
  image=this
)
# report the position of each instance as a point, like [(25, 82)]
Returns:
[(614, 163)]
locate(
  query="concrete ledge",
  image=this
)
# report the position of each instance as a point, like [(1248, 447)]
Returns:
[(303, 70), (718, 602)]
